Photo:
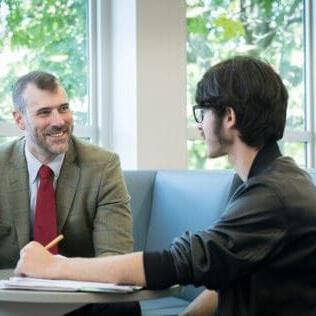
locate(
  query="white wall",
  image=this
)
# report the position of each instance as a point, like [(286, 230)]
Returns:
[(148, 93)]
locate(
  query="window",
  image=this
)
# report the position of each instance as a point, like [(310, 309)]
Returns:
[(272, 30), (50, 36)]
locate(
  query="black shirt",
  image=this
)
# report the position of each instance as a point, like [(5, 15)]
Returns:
[(261, 254)]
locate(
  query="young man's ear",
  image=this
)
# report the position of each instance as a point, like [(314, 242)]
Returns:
[(229, 117), (19, 119)]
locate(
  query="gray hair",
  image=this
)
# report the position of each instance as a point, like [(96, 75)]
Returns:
[(42, 80)]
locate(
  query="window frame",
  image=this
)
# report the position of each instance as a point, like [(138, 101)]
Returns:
[(310, 85)]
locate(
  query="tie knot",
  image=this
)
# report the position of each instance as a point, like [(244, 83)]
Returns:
[(45, 172)]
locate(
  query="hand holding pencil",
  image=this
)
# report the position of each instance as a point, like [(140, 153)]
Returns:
[(37, 261)]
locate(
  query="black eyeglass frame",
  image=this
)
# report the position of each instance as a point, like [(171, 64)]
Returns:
[(199, 119)]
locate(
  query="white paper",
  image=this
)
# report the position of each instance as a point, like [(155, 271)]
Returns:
[(64, 285)]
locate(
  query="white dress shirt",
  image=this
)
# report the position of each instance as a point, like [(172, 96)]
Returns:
[(33, 166)]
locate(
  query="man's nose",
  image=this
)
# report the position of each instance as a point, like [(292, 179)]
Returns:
[(57, 118)]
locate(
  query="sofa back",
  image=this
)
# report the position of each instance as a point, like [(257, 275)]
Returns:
[(185, 200), (165, 204), (312, 173), (140, 185)]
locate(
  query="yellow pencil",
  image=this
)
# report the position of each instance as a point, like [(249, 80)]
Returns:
[(54, 242)]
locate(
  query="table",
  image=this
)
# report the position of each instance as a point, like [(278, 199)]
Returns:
[(39, 303)]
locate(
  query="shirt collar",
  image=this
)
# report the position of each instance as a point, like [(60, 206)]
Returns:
[(33, 164), (266, 155)]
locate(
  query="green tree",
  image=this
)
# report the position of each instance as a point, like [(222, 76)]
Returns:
[(269, 29), (48, 35)]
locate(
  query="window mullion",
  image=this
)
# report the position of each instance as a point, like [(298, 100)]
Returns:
[(310, 84)]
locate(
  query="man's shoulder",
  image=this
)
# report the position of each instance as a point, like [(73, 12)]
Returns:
[(283, 177), (9, 149), (90, 153), (285, 168)]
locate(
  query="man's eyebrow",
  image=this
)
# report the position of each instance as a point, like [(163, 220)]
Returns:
[(47, 108), (66, 103)]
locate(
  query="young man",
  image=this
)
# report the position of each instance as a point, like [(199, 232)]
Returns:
[(260, 256), (82, 193)]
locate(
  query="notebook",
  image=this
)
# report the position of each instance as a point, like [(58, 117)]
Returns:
[(26, 283)]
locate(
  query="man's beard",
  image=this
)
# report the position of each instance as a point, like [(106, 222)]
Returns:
[(54, 147)]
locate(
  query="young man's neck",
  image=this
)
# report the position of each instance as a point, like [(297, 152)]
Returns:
[(241, 156)]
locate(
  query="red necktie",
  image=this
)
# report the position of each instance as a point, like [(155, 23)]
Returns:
[(45, 225)]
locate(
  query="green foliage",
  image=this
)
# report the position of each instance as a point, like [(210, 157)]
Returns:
[(197, 26), (198, 159), (228, 28), (270, 29), (48, 35)]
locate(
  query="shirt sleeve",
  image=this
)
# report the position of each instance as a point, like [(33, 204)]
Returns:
[(160, 270)]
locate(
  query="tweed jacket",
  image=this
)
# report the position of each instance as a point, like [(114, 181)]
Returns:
[(91, 197)]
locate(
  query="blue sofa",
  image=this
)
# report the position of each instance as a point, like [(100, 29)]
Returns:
[(167, 203)]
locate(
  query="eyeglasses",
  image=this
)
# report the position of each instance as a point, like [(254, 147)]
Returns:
[(198, 113)]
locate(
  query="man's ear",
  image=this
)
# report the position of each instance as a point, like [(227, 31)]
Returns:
[(229, 117), (19, 119)]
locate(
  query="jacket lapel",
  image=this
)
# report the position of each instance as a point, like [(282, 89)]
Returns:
[(18, 194), (67, 185)]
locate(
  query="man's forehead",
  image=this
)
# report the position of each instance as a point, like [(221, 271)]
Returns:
[(33, 88), (36, 96)]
